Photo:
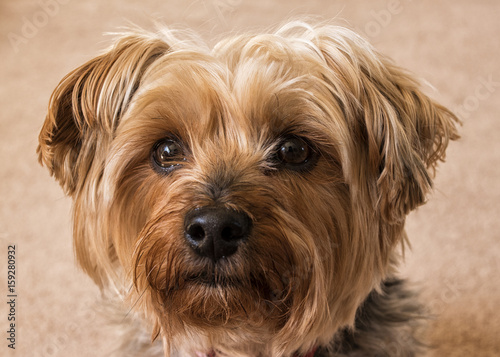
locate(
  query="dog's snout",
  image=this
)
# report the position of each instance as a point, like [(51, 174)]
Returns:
[(216, 232)]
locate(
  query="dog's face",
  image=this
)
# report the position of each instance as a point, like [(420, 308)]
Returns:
[(246, 198)]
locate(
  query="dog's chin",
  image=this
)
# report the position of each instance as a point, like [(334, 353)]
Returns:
[(209, 299)]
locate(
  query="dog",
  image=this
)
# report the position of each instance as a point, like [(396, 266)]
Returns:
[(248, 199)]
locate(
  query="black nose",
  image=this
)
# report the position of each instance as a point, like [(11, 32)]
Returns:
[(216, 232)]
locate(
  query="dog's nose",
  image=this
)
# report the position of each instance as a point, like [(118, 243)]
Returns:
[(216, 232)]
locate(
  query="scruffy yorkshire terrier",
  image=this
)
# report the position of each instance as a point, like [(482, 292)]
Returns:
[(250, 199)]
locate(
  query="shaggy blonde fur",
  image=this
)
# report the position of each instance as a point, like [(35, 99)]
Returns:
[(323, 238)]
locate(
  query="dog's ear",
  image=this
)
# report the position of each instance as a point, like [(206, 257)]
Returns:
[(86, 106), (398, 134), (407, 134)]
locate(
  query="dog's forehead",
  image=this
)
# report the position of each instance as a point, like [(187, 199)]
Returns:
[(183, 90), (283, 94), (199, 94)]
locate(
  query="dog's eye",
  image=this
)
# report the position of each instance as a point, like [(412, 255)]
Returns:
[(295, 153), (167, 154)]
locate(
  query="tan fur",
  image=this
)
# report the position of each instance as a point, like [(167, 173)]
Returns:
[(322, 240)]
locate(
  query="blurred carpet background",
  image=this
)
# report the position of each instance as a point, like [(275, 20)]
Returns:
[(455, 45)]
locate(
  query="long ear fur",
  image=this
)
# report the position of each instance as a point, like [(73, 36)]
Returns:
[(84, 112), (411, 135), (87, 104), (398, 132)]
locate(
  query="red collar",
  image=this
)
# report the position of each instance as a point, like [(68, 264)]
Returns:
[(308, 354)]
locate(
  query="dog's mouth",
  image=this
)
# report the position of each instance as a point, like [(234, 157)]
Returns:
[(217, 295), (230, 282), (214, 280), (226, 273)]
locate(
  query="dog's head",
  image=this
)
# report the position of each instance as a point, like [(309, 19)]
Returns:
[(252, 195)]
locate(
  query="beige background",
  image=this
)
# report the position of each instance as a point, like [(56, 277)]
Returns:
[(454, 44)]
